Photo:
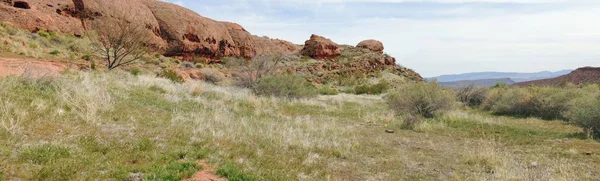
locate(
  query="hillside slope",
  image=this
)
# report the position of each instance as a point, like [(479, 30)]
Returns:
[(585, 75), (515, 76)]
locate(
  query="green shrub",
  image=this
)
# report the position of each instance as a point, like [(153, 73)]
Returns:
[(471, 96), (135, 71), (424, 99), (585, 112), (93, 65), (174, 171), (328, 91), (54, 52), (43, 34), (212, 76), (44, 154), (542, 102), (86, 57), (376, 89), (232, 173), (173, 76), (289, 86)]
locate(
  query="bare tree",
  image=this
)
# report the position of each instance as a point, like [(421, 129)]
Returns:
[(120, 42), (258, 67)]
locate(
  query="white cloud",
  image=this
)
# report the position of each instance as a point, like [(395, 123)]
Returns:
[(434, 38)]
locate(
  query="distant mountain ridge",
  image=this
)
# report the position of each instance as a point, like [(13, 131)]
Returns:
[(477, 83), (515, 76), (581, 76)]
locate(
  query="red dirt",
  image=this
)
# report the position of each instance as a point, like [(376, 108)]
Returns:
[(207, 174), (30, 67)]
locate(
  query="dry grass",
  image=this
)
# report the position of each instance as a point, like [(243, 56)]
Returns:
[(114, 126)]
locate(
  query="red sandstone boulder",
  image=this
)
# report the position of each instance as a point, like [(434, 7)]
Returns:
[(319, 47), (372, 45)]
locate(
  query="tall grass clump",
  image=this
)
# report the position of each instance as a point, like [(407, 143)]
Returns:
[(288, 86), (424, 99)]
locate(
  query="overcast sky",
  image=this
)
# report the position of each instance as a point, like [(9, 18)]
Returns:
[(434, 37)]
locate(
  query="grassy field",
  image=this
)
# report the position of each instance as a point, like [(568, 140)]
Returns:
[(117, 126)]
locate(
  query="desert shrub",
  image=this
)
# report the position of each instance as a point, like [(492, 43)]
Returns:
[(542, 102), (406, 122), (212, 75), (288, 86), (173, 76), (86, 57), (234, 173), (500, 85), (185, 64), (585, 112), (471, 95), (135, 71), (375, 89), (232, 62), (424, 99), (328, 91), (173, 171), (54, 52), (261, 66)]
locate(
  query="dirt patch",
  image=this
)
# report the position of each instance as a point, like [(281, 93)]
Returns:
[(208, 173), (30, 67)]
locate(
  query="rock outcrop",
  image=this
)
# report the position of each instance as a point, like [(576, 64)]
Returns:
[(175, 30), (319, 47), (372, 45)]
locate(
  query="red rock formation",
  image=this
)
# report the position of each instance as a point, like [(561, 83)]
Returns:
[(43, 14), (372, 45), (319, 47), (177, 30)]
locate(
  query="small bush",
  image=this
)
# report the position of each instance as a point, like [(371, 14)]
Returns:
[(44, 154), (424, 99), (135, 71), (173, 76), (173, 172), (212, 75), (54, 52), (542, 102), (233, 173), (43, 34), (471, 96), (86, 57), (185, 64), (376, 89), (328, 91), (289, 86), (585, 112)]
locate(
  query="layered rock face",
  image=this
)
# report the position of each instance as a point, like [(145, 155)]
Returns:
[(319, 47), (175, 30)]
